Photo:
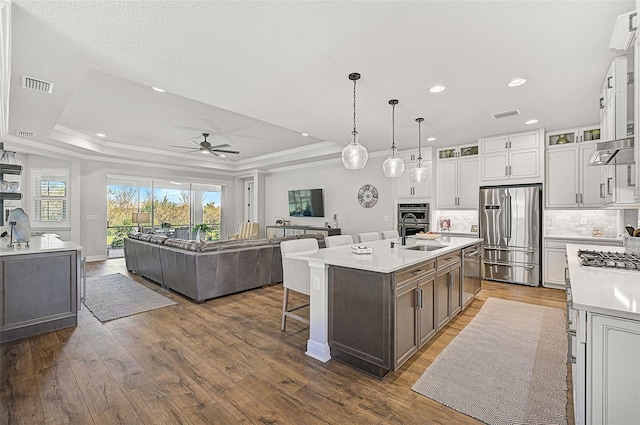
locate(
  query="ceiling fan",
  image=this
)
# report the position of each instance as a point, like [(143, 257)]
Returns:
[(206, 148)]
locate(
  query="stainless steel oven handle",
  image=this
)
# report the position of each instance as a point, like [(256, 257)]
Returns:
[(472, 254)]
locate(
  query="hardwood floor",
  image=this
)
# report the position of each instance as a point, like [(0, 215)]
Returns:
[(222, 362)]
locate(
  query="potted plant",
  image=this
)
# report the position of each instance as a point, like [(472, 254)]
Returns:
[(201, 231)]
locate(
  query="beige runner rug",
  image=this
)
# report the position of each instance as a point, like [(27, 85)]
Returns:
[(508, 366)]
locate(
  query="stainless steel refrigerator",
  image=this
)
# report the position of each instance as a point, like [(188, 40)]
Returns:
[(510, 224)]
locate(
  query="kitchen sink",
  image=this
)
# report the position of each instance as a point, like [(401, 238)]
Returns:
[(426, 247)]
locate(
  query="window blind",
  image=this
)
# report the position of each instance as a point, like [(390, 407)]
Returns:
[(50, 195)]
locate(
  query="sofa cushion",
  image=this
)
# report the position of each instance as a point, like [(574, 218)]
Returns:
[(148, 237), (184, 244)]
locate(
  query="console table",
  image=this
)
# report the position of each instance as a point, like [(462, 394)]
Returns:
[(280, 231)]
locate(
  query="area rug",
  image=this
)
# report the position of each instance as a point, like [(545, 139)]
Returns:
[(113, 296), (508, 366)]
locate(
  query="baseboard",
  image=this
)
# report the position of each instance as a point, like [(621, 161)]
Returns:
[(91, 258)]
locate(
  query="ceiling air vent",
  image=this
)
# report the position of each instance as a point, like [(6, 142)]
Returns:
[(25, 134), (505, 114), (38, 85)]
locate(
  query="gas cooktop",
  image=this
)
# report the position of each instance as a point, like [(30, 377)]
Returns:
[(608, 259)]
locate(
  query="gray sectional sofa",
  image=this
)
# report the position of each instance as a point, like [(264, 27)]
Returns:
[(202, 271)]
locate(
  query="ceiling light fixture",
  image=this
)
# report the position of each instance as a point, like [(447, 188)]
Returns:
[(531, 122), (354, 156), (517, 82), (204, 151), (223, 155), (393, 166), (158, 89), (101, 135), (305, 134), (431, 139), (419, 173), (437, 89)]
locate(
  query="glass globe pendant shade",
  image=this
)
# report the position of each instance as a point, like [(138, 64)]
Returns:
[(354, 156), (419, 174), (393, 166)]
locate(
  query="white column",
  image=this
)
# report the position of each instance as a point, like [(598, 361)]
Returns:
[(318, 344)]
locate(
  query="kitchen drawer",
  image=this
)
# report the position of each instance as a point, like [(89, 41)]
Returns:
[(525, 274), (410, 274), (448, 259), (511, 255)]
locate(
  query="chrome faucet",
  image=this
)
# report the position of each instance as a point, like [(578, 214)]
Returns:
[(404, 227)]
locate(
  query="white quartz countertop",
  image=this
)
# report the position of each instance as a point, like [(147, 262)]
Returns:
[(38, 244), (385, 259), (602, 290)]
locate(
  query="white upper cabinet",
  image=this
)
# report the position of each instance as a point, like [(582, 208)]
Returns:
[(405, 188), (512, 158), (570, 182), (636, 111), (457, 177)]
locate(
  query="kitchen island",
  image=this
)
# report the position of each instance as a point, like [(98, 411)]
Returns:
[(349, 289), (603, 316), (38, 286)]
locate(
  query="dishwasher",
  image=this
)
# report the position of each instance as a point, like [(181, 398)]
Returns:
[(471, 280)]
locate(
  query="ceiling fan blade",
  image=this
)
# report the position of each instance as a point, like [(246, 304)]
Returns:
[(224, 145), (182, 147), (194, 142), (225, 151)]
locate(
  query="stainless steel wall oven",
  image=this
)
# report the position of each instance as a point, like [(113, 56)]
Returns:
[(421, 211)]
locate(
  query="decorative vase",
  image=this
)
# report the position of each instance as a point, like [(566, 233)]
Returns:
[(561, 140), (201, 236)]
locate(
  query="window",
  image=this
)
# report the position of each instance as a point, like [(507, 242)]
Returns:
[(50, 197)]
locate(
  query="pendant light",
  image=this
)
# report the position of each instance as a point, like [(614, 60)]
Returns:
[(393, 166), (354, 156), (419, 173)]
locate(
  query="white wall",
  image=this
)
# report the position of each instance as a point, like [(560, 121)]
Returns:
[(340, 195)]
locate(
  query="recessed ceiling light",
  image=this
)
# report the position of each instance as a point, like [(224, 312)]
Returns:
[(101, 135), (305, 134), (517, 82), (431, 139), (531, 122), (158, 89), (436, 89)]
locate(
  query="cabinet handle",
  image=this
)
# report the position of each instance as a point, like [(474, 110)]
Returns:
[(609, 185), (420, 300), (571, 358), (602, 103), (582, 198), (609, 86), (629, 184), (577, 198), (506, 145), (451, 280), (632, 28), (509, 168), (602, 190), (506, 170)]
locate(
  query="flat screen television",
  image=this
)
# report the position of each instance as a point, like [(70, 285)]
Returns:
[(306, 203)]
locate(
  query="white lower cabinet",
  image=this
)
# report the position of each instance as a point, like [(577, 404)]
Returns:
[(554, 258), (612, 370)]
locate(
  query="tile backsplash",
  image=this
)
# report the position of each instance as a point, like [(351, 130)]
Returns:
[(460, 221), (582, 222)]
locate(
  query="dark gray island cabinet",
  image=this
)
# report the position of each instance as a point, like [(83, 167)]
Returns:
[(377, 321), (38, 288)]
